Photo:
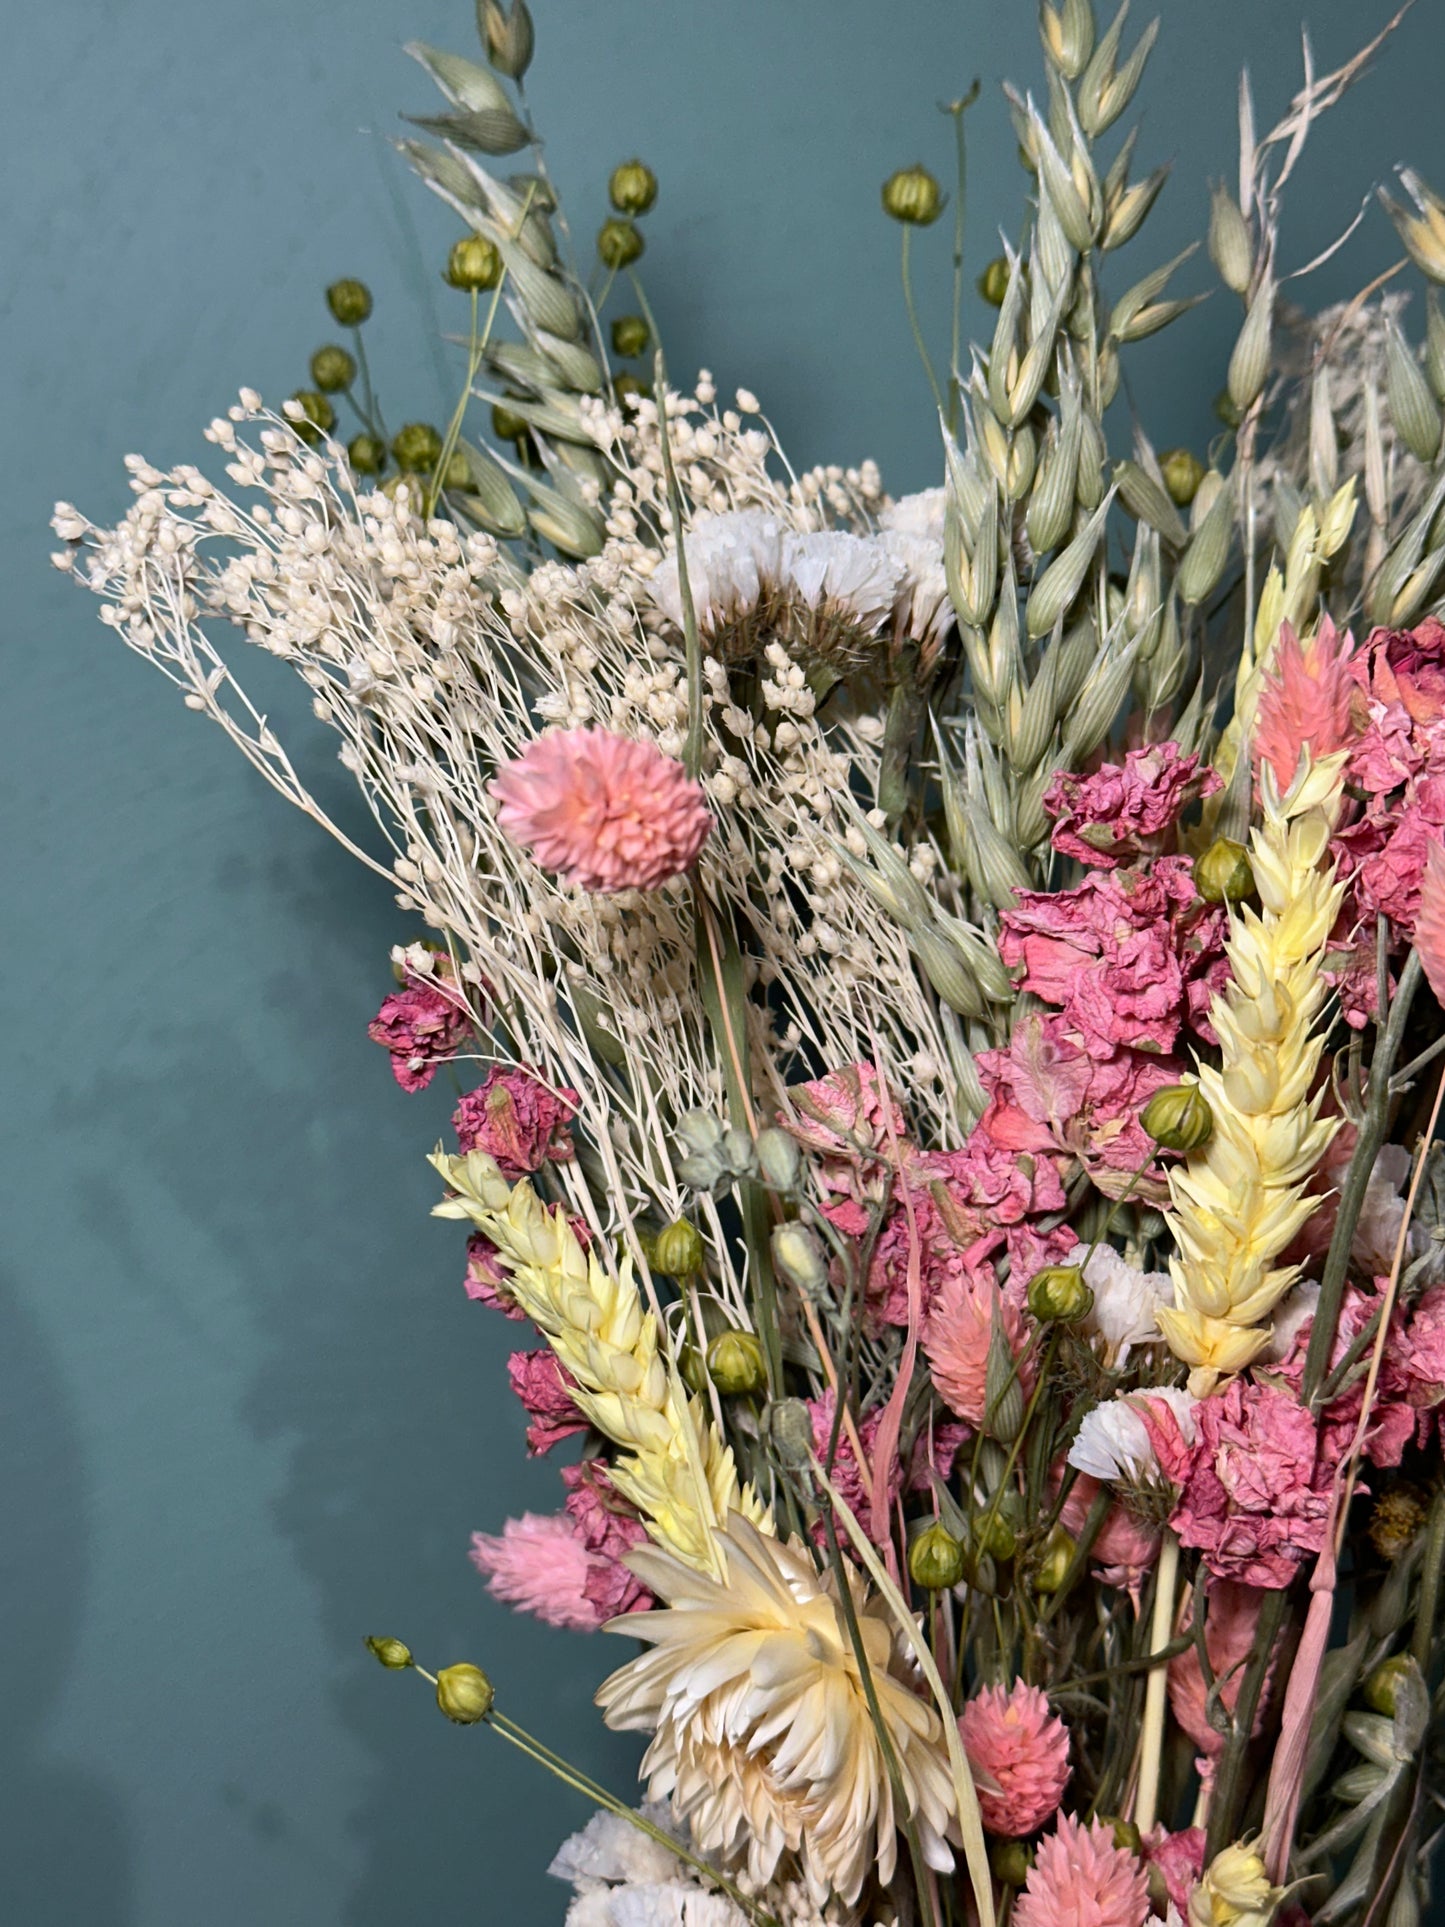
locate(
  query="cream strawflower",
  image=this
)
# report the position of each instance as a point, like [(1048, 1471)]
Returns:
[(762, 1738)]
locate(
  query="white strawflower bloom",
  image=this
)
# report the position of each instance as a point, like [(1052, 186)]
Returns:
[(762, 1738), (1113, 1441), (853, 573), (920, 515), (623, 1878), (734, 563), (1125, 1299)]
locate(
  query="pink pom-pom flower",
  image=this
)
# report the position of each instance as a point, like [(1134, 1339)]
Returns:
[(1082, 1879), (603, 811), (1012, 1739)]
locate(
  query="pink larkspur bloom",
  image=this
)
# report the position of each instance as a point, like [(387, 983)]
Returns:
[(422, 1025), (485, 1278), (609, 1528), (1430, 923), (1125, 1549), (605, 812), (1180, 1860), (1048, 1093), (855, 1482), (545, 1389), (1392, 1419), (539, 1565), (1254, 1487), (854, 1123), (957, 1337), (1305, 702), (1126, 810), (1015, 1744), (1080, 1878), (517, 1120), (1421, 1357), (1231, 1616), (1130, 956)]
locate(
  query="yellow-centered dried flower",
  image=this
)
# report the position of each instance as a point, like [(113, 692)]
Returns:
[(1239, 1200)]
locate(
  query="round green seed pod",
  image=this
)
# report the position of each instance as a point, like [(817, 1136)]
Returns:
[(319, 417), (1059, 1293), (935, 1559), (630, 335), (465, 1694), (632, 188), (416, 448), (677, 1250), (1183, 472), (367, 454), (993, 282), (1223, 873), (474, 263), (913, 196), (619, 244), (349, 302), (735, 1364), (1178, 1117), (332, 369)]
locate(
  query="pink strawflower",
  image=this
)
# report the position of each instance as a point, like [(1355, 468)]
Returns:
[(485, 1278), (545, 1389), (517, 1120), (609, 1528), (1430, 922), (423, 1024), (1305, 702), (1255, 1485), (957, 1337), (605, 812), (1180, 1860), (1014, 1743), (1126, 810), (1081, 1879), (539, 1565)]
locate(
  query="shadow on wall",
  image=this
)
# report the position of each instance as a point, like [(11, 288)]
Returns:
[(386, 1392), (65, 1835)]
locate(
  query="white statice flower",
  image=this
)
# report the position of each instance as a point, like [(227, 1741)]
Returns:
[(852, 577), (1125, 1299), (1113, 1441), (734, 565), (621, 1877), (922, 607), (1377, 1230), (762, 1736), (920, 515)]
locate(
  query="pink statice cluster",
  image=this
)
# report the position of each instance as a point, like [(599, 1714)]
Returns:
[(566, 1568), (1018, 1750), (1126, 810), (516, 1119), (422, 1024)]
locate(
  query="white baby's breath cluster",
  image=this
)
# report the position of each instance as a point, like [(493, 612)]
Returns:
[(433, 657)]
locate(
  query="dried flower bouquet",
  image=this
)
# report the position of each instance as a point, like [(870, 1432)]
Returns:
[(947, 991)]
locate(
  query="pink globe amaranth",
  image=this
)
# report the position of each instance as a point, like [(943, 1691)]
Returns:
[(1015, 1744), (1080, 1878), (605, 812)]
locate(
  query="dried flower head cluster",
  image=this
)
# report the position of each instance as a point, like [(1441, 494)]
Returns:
[(944, 1089)]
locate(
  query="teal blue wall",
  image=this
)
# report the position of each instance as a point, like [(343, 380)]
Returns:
[(247, 1414)]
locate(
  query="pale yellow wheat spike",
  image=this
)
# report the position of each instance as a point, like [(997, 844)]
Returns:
[(1238, 1201), (676, 1468)]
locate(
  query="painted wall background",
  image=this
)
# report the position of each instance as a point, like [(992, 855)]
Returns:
[(248, 1415)]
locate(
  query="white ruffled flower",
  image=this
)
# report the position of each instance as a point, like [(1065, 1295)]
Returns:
[(920, 515), (1377, 1230), (850, 575), (734, 562), (623, 1878), (1125, 1299), (1289, 1316), (1113, 1441)]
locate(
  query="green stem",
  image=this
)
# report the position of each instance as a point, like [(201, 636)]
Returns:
[(1373, 1127), (958, 108), (918, 340), (1430, 1575), (372, 417)]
